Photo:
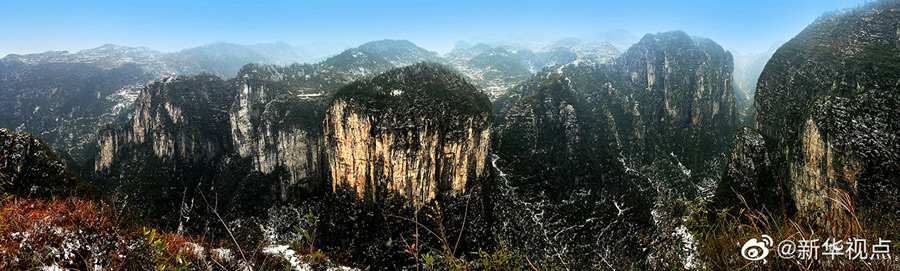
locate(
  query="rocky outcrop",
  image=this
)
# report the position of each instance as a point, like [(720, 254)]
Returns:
[(257, 138), (664, 108), (174, 147), (64, 97), (685, 87), (827, 104), (29, 168), (276, 118), (842, 53), (279, 128), (549, 143), (420, 131), (176, 117), (750, 177), (639, 133), (847, 149), (821, 172)]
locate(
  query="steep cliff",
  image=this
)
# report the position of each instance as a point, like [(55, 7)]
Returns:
[(276, 122), (679, 92), (847, 145), (174, 146), (665, 108), (29, 168), (827, 102), (549, 142), (178, 117), (751, 174), (64, 97), (261, 132), (420, 131), (276, 118), (617, 144)]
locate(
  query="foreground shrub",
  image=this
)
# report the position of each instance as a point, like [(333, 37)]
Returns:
[(721, 234), (77, 234)]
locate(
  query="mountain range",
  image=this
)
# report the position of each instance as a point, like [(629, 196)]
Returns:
[(607, 152)]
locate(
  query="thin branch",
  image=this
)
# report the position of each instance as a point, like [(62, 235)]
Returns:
[(424, 227), (236, 244), (530, 263), (463, 227), (416, 246)]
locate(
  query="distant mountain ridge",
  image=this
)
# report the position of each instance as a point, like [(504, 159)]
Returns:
[(220, 58), (747, 69)]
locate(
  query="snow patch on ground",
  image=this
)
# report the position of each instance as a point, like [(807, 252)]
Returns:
[(689, 245), (288, 254)]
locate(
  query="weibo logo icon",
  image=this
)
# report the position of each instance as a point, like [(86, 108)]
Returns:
[(756, 249)]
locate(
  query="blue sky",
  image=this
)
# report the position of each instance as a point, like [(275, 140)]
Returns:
[(30, 26)]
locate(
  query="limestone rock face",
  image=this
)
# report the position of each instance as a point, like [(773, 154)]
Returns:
[(552, 139), (681, 92), (177, 117), (846, 149), (636, 133), (420, 131), (827, 105), (840, 54), (664, 108), (821, 171), (259, 133), (173, 147)]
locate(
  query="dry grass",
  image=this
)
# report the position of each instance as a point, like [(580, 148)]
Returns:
[(69, 233), (722, 233), (80, 234)]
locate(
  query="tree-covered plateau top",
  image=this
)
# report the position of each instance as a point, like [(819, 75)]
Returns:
[(424, 89)]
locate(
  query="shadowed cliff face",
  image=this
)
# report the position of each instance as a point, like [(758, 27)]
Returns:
[(420, 131), (827, 104), (679, 92), (750, 177), (29, 168), (159, 161), (178, 117), (665, 109), (276, 123), (639, 133)]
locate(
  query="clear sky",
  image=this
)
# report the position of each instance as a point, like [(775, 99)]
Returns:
[(30, 26)]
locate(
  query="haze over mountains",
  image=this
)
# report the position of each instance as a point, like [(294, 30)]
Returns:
[(601, 152), (492, 69), (576, 103)]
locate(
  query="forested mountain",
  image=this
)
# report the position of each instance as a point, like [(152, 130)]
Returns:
[(65, 97), (607, 152), (825, 107), (824, 148)]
